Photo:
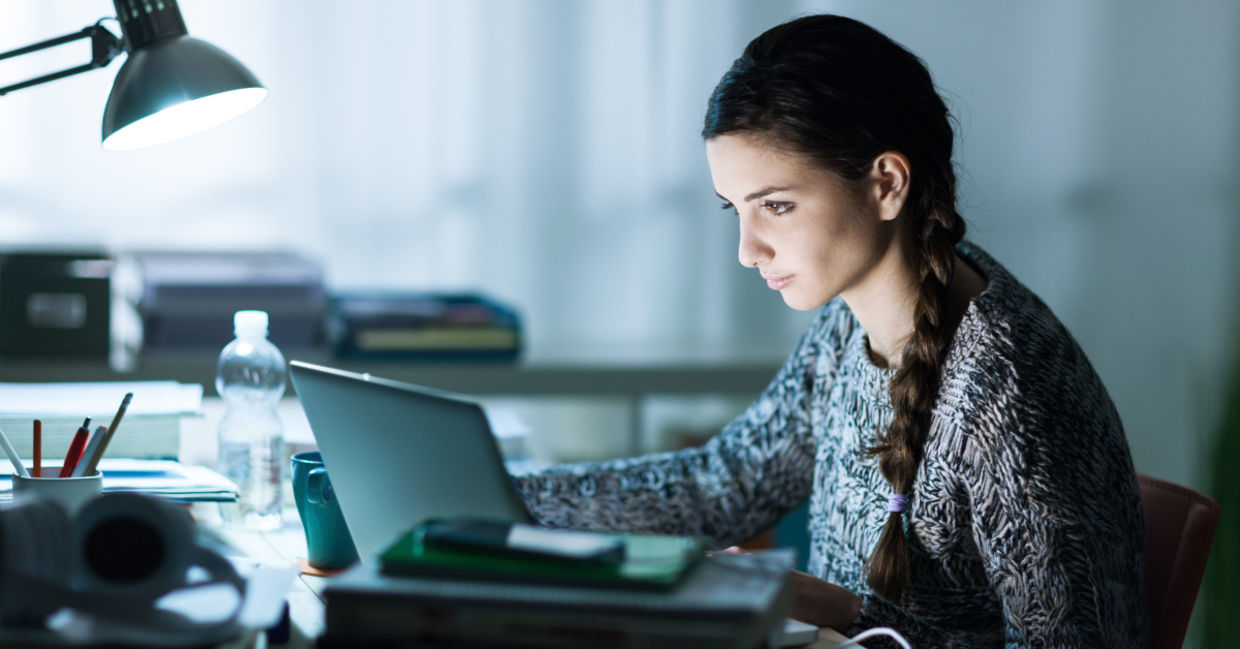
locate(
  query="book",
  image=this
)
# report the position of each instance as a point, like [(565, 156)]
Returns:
[(151, 427), (651, 562), (724, 602)]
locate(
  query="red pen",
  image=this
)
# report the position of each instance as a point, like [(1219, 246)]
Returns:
[(75, 450), (38, 449)]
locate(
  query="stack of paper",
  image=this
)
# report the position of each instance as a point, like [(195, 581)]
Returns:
[(164, 478), (151, 427)]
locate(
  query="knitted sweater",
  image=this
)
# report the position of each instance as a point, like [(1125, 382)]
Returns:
[(1025, 521)]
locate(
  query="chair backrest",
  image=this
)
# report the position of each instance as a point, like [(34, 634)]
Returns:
[(1179, 528)]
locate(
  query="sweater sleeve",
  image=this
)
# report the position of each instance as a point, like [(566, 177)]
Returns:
[(1061, 541), (728, 490), (878, 612)]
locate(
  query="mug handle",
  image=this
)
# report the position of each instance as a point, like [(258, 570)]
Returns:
[(319, 487)]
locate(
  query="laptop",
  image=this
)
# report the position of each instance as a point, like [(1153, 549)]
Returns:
[(399, 453)]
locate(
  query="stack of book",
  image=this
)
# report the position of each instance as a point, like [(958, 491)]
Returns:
[(720, 602), (423, 326), (151, 429)]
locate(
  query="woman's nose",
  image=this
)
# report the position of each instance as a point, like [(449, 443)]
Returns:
[(753, 251)]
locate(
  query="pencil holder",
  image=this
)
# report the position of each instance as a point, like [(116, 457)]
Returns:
[(70, 493)]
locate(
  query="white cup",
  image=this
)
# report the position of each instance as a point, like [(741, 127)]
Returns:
[(70, 493)]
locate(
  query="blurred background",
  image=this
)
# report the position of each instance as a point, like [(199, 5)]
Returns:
[(547, 153)]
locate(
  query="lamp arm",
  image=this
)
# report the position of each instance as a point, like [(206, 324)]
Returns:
[(104, 46)]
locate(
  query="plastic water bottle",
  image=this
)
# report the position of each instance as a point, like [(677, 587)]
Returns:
[(250, 378)]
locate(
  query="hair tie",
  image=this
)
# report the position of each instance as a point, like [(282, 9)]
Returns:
[(897, 503)]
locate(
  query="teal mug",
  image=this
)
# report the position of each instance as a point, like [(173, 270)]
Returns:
[(328, 544)]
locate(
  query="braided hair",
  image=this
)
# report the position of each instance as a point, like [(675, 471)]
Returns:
[(840, 93)]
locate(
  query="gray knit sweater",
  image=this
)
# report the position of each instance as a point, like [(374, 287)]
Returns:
[(1025, 521)]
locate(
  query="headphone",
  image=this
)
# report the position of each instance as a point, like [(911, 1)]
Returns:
[(113, 561)]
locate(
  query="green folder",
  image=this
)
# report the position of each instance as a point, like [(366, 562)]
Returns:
[(651, 562)]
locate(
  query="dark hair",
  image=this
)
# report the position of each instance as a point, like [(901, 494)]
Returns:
[(840, 93)]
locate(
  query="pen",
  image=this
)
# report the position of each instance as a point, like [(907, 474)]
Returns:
[(92, 446), (38, 449), (12, 453), (74, 455), (107, 435)]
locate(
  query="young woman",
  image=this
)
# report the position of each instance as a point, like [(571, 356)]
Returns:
[(968, 478)]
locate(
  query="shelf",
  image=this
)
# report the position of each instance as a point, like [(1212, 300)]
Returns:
[(628, 374), (604, 374)]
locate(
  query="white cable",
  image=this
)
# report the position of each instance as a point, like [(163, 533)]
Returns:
[(870, 633)]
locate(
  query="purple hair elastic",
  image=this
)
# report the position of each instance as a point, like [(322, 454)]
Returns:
[(897, 503)]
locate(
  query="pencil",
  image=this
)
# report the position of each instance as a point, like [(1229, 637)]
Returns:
[(12, 453), (38, 449), (74, 455), (92, 448), (107, 435)]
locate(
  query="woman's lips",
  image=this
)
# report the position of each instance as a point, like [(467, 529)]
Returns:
[(776, 282)]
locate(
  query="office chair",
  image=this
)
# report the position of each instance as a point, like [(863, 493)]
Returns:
[(1179, 528)]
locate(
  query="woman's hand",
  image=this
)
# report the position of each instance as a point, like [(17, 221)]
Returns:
[(819, 602), (823, 603)]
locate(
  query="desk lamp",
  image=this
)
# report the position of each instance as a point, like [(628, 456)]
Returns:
[(170, 87)]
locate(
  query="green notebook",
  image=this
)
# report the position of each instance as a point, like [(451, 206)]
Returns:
[(650, 562)]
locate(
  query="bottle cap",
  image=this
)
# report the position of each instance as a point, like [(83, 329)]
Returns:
[(250, 323)]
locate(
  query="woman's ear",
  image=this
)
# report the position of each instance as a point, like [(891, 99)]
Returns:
[(889, 174)]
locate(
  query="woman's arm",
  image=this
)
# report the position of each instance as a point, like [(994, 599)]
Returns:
[(1056, 520), (732, 488), (1061, 536)]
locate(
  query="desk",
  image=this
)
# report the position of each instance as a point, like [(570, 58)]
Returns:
[(286, 546), (279, 548)]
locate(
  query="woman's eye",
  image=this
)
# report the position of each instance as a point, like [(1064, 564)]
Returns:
[(777, 207), (728, 206)]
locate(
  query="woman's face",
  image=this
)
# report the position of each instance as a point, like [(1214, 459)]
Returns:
[(811, 233)]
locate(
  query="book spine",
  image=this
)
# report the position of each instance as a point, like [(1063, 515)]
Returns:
[(436, 338)]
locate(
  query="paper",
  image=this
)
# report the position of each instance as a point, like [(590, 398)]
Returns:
[(164, 478), (46, 400), (206, 615), (265, 595)]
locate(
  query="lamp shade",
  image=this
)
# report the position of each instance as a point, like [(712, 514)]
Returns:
[(173, 88)]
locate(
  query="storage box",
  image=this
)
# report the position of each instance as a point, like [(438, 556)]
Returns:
[(55, 304), (189, 298)]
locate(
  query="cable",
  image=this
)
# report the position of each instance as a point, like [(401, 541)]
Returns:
[(870, 633)]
